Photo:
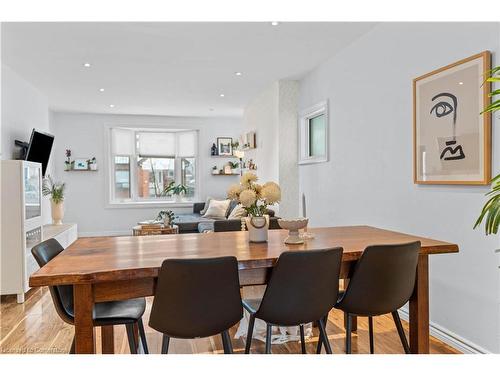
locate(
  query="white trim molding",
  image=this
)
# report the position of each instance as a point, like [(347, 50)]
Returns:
[(452, 339)]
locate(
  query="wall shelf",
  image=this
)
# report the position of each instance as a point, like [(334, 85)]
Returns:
[(224, 156)]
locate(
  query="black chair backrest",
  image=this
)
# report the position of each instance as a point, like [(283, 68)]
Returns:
[(62, 296), (303, 287), (197, 297), (383, 279)]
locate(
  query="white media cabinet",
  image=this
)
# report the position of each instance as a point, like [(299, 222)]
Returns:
[(22, 225)]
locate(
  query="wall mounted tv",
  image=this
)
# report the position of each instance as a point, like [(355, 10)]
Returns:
[(39, 148)]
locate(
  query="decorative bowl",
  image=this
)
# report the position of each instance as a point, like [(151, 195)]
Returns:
[(293, 226)]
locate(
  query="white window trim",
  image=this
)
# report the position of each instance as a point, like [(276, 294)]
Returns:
[(153, 203), (304, 117)]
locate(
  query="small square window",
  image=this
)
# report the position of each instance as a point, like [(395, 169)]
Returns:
[(313, 134)]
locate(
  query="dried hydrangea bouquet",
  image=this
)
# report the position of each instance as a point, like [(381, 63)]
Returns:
[(255, 199)]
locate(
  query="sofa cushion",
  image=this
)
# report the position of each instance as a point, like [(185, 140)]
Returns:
[(237, 212), (217, 209)]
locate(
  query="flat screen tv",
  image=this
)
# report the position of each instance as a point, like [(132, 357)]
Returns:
[(39, 148)]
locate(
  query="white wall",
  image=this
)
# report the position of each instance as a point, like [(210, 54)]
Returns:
[(23, 108), (369, 177), (261, 116), (87, 196), (273, 115)]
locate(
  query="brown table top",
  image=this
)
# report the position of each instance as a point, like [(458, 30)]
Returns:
[(97, 259)]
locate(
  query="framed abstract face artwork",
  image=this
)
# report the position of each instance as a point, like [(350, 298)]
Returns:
[(451, 138)]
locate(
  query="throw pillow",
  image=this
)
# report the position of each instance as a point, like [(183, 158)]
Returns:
[(205, 208), (237, 213), (217, 209)]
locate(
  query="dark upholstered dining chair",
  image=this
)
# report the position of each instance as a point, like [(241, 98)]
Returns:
[(303, 288), (197, 298), (128, 312), (382, 282)]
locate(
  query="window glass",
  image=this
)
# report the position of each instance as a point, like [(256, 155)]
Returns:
[(153, 176), (317, 134), (122, 177), (188, 176)]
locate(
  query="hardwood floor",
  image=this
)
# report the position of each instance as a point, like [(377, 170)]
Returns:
[(35, 327)]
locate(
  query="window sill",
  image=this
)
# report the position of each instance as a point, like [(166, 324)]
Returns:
[(149, 204)]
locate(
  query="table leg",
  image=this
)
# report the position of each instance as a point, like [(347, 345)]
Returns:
[(419, 309), (84, 327), (108, 340)]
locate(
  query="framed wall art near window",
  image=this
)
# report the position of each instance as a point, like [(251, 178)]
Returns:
[(451, 138), (225, 146), (81, 164)]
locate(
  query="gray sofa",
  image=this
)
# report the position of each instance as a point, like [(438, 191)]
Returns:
[(196, 223)]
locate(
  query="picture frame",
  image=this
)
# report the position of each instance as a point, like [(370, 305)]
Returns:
[(225, 146), (81, 164), (451, 138)]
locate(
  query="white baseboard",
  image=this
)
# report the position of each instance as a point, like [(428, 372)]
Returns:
[(106, 233), (452, 339)]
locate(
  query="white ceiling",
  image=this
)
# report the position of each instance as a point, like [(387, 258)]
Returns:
[(177, 69)]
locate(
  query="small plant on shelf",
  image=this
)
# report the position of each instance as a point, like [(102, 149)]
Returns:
[(68, 164), (233, 164), (92, 163), (167, 216)]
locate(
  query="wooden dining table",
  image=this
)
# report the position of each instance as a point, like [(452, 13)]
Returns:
[(118, 268)]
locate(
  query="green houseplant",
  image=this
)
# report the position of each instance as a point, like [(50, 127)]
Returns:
[(167, 216), (56, 192), (491, 210)]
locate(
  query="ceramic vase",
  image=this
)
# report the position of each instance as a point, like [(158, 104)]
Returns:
[(257, 227), (57, 212)]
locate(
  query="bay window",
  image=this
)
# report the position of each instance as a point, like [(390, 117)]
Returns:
[(147, 163)]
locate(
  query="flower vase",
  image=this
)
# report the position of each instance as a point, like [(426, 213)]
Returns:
[(257, 227), (57, 212)]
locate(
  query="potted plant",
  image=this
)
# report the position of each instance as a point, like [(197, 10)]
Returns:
[(215, 170), (491, 210), (68, 164), (177, 190), (255, 198), (92, 163), (167, 216), (56, 192), (234, 167)]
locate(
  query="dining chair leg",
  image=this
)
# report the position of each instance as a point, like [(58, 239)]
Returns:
[(302, 339), (131, 338), (324, 336), (226, 342), (72, 349), (142, 334), (370, 333), (164, 344), (401, 332), (320, 339), (251, 323), (269, 329), (348, 331)]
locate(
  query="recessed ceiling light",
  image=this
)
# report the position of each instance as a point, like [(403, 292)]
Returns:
[(275, 23), (87, 65), (112, 106), (238, 73), (101, 90), (460, 83), (222, 95)]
